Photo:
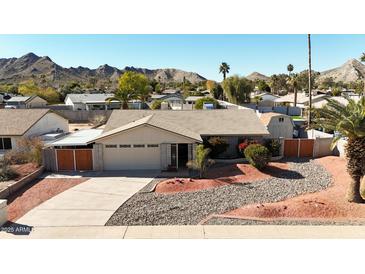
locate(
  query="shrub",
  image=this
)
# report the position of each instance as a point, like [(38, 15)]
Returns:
[(156, 104), (273, 145), (245, 143), (217, 145), (257, 155), (6, 172), (98, 120), (200, 102), (29, 150)]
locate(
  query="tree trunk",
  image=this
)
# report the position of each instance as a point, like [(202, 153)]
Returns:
[(362, 187), (295, 97), (309, 80), (353, 193), (355, 154)]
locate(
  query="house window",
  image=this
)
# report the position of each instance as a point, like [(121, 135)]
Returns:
[(138, 146), (111, 146), (124, 146), (152, 145), (5, 143), (281, 119)]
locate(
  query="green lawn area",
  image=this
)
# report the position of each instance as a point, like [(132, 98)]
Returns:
[(297, 117)]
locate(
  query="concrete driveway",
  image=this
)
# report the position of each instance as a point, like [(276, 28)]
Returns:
[(90, 203)]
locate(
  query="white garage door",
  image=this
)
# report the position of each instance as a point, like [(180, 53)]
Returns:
[(117, 157)]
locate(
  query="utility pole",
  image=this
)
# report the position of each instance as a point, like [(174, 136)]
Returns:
[(309, 80)]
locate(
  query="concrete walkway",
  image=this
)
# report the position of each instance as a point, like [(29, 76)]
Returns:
[(193, 232), (90, 203)]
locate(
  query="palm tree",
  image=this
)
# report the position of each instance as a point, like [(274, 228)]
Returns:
[(290, 68), (309, 79), (348, 121), (122, 96), (274, 79), (201, 162), (362, 59), (224, 68), (293, 82)]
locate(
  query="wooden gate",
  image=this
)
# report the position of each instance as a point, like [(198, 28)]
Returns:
[(74, 159), (291, 147), (306, 147), (298, 147)]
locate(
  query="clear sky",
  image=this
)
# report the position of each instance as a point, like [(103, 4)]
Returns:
[(267, 54)]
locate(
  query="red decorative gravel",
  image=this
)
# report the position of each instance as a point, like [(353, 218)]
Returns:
[(36, 193), (220, 176), (329, 204)]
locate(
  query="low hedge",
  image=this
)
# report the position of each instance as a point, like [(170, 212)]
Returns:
[(257, 155)]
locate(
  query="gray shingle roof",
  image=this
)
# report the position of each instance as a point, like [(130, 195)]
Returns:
[(15, 122), (242, 122), (154, 121)]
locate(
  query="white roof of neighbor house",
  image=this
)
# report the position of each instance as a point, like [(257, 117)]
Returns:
[(165, 96), (220, 122), (78, 138), (302, 98), (154, 121), (193, 98), (171, 91), (89, 97), (230, 105), (323, 102)]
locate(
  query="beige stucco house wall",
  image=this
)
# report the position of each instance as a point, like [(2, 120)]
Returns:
[(142, 147)]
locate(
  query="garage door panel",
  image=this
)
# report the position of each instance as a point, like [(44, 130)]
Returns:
[(131, 158)]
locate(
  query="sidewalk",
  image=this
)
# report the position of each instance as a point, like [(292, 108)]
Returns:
[(193, 232)]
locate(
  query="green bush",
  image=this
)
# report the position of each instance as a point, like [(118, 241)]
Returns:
[(257, 155), (7, 173), (217, 145), (273, 145), (200, 102), (156, 104)]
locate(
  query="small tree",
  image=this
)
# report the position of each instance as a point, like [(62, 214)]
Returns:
[(156, 104), (201, 162)]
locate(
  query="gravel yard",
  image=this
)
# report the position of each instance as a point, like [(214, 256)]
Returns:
[(232, 221), (190, 208)]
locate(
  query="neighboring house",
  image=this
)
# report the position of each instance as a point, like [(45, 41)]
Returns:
[(26, 102), (171, 91), (191, 100), (175, 101), (18, 123), (266, 99), (302, 99), (91, 101), (163, 140), (279, 125)]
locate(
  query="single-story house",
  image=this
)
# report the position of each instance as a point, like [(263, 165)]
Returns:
[(302, 99), (26, 102), (266, 99), (164, 140), (279, 125), (91, 101), (171, 91), (191, 100), (175, 100), (340, 99), (18, 123)]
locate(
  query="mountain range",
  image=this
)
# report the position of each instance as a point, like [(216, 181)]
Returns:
[(350, 71), (44, 70)]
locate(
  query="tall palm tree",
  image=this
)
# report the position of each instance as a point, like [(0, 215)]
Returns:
[(274, 79), (347, 120), (224, 69), (290, 68), (309, 79), (362, 59), (293, 82)]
